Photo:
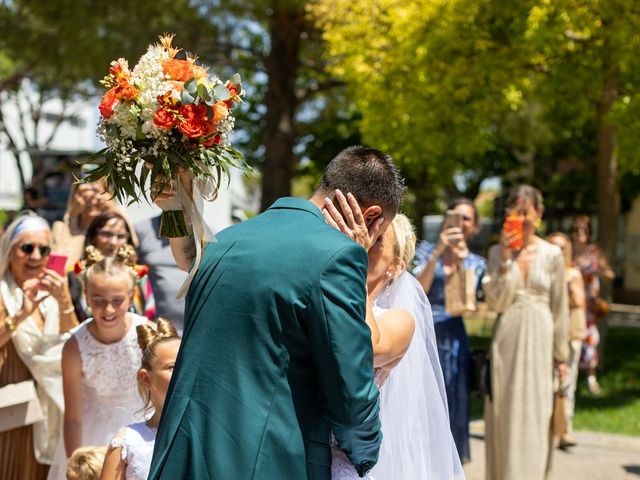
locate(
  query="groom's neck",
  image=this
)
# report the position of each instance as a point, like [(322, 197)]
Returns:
[(318, 199)]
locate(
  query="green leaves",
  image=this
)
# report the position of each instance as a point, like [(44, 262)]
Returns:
[(221, 92)]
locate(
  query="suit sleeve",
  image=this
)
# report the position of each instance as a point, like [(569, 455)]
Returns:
[(341, 348)]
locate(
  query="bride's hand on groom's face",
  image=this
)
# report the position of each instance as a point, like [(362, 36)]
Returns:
[(351, 221)]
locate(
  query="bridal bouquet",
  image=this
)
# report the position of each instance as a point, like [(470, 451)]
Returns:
[(166, 114)]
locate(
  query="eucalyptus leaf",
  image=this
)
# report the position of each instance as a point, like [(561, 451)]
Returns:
[(186, 98), (221, 92), (203, 92), (191, 86)]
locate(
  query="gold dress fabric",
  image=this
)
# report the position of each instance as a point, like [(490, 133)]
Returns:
[(529, 334), (17, 457)]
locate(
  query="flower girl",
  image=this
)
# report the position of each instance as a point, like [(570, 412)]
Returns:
[(99, 362), (131, 449)]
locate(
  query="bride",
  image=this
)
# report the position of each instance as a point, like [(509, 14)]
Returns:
[(417, 441)]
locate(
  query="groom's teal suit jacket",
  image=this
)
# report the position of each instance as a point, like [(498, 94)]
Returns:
[(275, 356)]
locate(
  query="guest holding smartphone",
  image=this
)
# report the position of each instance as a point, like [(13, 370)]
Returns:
[(434, 262), (526, 286), (35, 315)]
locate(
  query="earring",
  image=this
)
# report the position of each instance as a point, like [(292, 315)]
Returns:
[(537, 223)]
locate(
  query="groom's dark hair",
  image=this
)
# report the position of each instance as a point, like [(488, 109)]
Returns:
[(370, 176)]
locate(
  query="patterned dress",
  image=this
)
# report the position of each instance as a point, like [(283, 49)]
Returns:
[(453, 344)]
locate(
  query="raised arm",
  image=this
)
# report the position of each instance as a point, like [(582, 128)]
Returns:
[(183, 248), (184, 251), (341, 347)]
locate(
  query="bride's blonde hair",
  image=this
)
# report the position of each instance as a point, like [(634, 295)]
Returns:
[(404, 248)]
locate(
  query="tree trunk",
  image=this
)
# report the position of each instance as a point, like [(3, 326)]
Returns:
[(608, 190), (286, 24), (607, 169)]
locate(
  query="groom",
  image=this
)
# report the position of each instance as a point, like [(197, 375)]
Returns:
[(276, 354)]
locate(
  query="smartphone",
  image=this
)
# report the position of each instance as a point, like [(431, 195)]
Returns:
[(57, 262), (513, 224), (452, 219)]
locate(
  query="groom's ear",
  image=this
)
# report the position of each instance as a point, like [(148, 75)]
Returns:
[(371, 214)]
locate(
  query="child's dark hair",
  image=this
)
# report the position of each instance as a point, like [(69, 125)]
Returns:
[(148, 341)]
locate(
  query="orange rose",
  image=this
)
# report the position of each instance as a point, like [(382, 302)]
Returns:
[(194, 123), (164, 118), (106, 105), (177, 69), (128, 92), (220, 111)]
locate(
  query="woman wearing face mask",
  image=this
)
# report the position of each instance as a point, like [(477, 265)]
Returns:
[(525, 284), (433, 263), (35, 315)]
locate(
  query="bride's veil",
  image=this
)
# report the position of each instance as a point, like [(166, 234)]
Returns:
[(417, 441)]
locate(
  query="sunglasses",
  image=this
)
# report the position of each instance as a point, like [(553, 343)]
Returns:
[(29, 248)]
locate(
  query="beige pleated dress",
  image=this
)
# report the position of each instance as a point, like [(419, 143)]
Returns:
[(530, 333)]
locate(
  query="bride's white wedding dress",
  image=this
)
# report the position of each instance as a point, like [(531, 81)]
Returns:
[(417, 443)]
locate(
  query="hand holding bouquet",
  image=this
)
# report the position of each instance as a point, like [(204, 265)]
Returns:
[(165, 115)]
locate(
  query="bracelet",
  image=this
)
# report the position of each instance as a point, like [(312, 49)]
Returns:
[(67, 311), (9, 324)]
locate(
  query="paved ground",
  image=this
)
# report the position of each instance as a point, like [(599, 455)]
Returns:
[(596, 457)]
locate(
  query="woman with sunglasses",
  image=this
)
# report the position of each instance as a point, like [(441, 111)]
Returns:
[(36, 315), (108, 232), (593, 264), (433, 263)]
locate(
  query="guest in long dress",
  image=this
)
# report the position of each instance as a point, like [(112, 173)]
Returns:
[(433, 263), (577, 331), (35, 316), (527, 288), (593, 264)]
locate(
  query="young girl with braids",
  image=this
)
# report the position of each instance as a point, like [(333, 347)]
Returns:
[(130, 451), (99, 362)]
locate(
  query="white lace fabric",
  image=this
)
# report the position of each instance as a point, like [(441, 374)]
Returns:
[(136, 443), (110, 396)]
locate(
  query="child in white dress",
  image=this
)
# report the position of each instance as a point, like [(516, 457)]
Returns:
[(131, 450), (99, 362)]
